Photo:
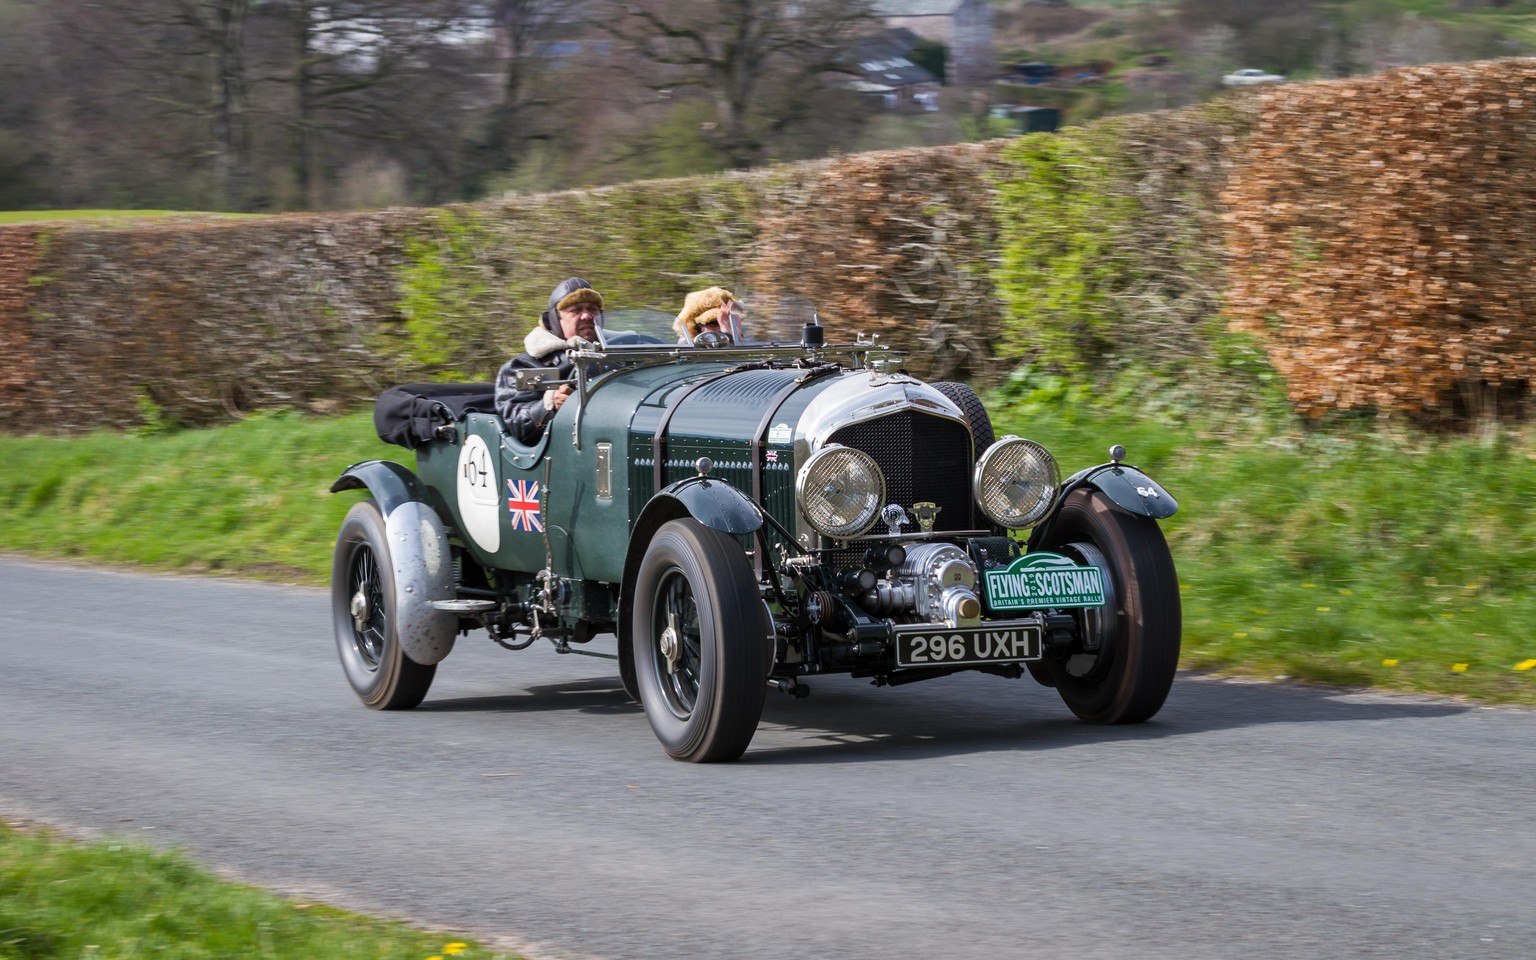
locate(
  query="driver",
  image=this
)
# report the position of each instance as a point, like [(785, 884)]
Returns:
[(574, 317), (707, 310)]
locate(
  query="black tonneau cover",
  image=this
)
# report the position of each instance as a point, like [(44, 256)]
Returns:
[(410, 414)]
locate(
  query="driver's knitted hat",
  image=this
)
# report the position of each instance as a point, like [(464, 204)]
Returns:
[(699, 308)]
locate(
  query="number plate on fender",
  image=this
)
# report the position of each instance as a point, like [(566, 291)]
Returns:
[(954, 646)]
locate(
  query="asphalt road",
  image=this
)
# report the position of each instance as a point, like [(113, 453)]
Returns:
[(527, 802)]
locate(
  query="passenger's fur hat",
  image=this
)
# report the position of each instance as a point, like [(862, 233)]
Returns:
[(699, 308)]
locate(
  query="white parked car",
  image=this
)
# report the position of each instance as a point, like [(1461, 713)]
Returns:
[(1249, 77)]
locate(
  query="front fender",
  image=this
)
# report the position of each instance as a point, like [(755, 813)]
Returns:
[(714, 503), (1127, 487)]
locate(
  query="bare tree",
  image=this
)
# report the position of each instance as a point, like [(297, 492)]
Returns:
[(743, 54), (521, 96), (218, 29), (173, 66), (334, 52)]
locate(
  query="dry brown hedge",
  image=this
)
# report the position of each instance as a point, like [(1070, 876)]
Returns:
[(197, 321), (18, 250), (1381, 235), (900, 244)]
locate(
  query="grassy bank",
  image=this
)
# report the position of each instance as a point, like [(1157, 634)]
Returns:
[(109, 899), (1357, 555)]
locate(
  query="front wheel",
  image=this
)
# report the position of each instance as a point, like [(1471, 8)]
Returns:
[(364, 612), (1122, 664), (700, 643)]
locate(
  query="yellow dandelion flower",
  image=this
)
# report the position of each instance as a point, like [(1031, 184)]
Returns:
[(1324, 609), (1389, 662), (1347, 593), (1309, 584), (1239, 635), (1448, 616), (1261, 612), (454, 949), (1459, 667), (1525, 664)]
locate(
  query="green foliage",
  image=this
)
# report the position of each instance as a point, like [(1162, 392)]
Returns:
[(1319, 555), (446, 289), (114, 899), (252, 497), (475, 283), (1061, 225), (153, 416), (1300, 552), (661, 239)]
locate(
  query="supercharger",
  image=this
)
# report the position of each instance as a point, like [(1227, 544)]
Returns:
[(935, 583)]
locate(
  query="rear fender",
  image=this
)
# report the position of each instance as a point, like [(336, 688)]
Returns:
[(420, 555), (390, 483)]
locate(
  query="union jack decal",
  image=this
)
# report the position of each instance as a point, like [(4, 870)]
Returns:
[(523, 501)]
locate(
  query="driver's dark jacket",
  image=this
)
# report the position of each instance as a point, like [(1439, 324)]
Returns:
[(525, 411)]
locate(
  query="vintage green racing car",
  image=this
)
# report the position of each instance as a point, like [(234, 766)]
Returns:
[(743, 516)]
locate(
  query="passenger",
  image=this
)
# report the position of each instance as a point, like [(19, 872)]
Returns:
[(574, 317), (707, 310)]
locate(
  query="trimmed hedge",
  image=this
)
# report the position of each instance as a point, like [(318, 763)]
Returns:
[(1371, 234), (1381, 237)]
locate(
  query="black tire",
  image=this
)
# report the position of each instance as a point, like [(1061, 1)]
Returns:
[(363, 612), (627, 672), (1138, 630), (699, 636), (975, 412)]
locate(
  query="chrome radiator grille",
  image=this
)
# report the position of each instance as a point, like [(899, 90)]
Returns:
[(924, 459)]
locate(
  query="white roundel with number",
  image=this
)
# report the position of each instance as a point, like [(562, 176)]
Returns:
[(479, 500)]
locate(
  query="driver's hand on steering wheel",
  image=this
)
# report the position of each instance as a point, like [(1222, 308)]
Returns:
[(560, 394)]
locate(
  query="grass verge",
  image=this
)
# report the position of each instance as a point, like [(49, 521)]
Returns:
[(108, 899), (1357, 555)]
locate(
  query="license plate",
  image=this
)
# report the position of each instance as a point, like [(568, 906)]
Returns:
[(958, 646)]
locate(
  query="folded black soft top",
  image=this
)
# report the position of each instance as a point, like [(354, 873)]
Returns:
[(410, 414)]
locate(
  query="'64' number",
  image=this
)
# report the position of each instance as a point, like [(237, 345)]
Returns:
[(477, 469)]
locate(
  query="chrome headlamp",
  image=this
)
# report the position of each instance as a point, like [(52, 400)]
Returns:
[(1016, 481), (840, 490)]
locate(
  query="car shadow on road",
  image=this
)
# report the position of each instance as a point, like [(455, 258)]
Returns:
[(846, 720), (596, 695), (847, 726)]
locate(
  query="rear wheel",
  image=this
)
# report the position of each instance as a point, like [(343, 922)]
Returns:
[(700, 643), (1123, 663), (363, 612)]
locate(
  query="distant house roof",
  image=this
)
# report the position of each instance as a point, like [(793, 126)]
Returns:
[(895, 71), (882, 60), (916, 8)]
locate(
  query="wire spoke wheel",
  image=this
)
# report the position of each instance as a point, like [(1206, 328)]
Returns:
[(701, 643), (369, 621), (679, 657), (363, 614)]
